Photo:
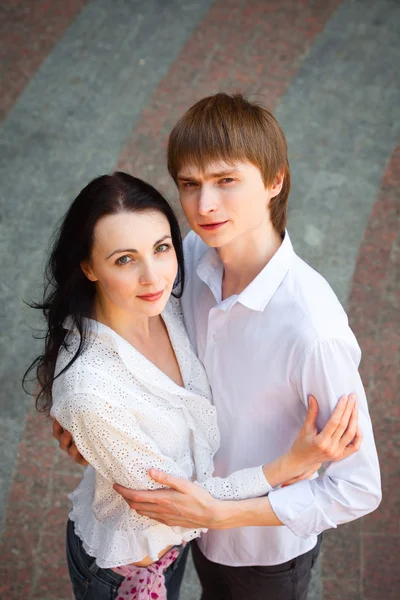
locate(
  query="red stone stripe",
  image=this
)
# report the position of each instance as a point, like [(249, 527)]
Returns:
[(32, 547), (361, 559), (250, 46), (28, 31)]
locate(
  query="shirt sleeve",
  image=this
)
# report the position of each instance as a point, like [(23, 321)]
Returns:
[(350, 488), (113, 443)]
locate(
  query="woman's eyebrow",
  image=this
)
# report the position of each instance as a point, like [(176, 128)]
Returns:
[(133, 250)]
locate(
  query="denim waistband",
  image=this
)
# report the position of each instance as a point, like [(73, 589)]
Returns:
[(75, 547)]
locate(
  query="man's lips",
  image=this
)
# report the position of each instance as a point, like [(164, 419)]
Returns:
[(151, 297), (211, 226)]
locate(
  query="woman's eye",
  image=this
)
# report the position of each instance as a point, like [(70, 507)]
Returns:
[(163, 248), (123, 260)]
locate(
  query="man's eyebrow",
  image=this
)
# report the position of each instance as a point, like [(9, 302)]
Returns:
[(224, 173), (134, 251)]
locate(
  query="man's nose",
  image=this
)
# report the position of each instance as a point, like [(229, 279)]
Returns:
[(207, 201)]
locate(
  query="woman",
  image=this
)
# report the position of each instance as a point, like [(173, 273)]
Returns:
[(119, 373)]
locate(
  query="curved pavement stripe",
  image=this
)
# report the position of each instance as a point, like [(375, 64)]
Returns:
[(342, 118), (341, 114), (253, 47), (371, 546), (68, 126), (28, 31)]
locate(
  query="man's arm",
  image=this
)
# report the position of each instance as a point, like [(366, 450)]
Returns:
[(348, 489), (189, 505)]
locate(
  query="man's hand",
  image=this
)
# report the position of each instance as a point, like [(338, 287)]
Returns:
[(66, 443), (184, 504)]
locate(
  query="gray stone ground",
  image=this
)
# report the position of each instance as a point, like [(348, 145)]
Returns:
[(342, 121)]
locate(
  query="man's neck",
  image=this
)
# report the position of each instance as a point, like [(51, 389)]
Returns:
[(245, 257)]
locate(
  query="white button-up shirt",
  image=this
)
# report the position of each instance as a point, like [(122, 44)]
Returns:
[(265, 350)]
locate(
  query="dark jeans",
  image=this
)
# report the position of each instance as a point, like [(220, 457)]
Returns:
[(90, 582), (288, 581)]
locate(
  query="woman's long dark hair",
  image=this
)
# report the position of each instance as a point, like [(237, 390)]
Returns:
[(67, 290)]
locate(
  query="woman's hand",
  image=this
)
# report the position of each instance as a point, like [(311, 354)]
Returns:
[(340, 438), (66, 443)]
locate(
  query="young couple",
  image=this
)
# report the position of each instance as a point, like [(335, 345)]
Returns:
[(191, 390)]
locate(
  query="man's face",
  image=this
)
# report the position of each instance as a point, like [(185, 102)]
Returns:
[(225, 202)]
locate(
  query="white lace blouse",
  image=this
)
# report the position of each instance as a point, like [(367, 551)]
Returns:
[(127, 416)]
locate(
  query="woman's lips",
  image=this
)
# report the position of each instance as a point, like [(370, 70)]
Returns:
[(212, 226), (151, 297)]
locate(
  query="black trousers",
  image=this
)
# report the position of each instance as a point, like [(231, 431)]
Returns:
[(288, 581)]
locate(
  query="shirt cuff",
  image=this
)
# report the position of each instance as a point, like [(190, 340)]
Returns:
[(296, 507)]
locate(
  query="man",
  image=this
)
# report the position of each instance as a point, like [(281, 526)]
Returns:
[(270, 332)]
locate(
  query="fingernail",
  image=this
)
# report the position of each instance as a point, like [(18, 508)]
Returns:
[(352, 397)]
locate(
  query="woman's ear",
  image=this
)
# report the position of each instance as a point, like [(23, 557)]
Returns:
[(87, 270)]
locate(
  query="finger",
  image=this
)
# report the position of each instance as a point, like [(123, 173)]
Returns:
[(176, 483), (147, 507), (170, 519), (312, 413), (333, 420), (355, 445), (151, 496), (65, 441), (74, 453), (57, 429), (345, 420), (351, 430), (171, 522)]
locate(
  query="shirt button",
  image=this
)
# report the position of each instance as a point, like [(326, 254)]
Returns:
[(214, 337)]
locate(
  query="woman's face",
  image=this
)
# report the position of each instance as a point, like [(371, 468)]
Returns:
[(133, 262)]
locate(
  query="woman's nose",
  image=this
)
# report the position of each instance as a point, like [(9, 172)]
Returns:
[(148, 275)]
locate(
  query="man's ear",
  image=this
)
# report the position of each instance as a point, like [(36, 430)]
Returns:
[(87, 270), (277, 184)]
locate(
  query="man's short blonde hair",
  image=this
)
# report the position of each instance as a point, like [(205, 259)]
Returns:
[(229, 128)]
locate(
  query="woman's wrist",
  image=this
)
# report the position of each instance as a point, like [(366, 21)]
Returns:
[(281, 470)]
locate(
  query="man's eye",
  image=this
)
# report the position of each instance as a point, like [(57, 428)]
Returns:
[(123, 260), (189, 184), (226, 180), (163, 248)]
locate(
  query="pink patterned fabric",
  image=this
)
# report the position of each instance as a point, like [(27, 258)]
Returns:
[(143, 583)]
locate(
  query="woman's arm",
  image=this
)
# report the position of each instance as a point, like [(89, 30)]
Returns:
[(110, 439), (188, 505), (303, 459)]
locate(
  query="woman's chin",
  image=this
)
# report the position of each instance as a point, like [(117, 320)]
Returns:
[(154, 307)]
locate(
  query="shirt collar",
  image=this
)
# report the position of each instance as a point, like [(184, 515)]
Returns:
[(260, 291)]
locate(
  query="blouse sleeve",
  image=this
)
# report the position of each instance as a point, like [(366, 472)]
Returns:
[(239, 485), (111, 440)]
